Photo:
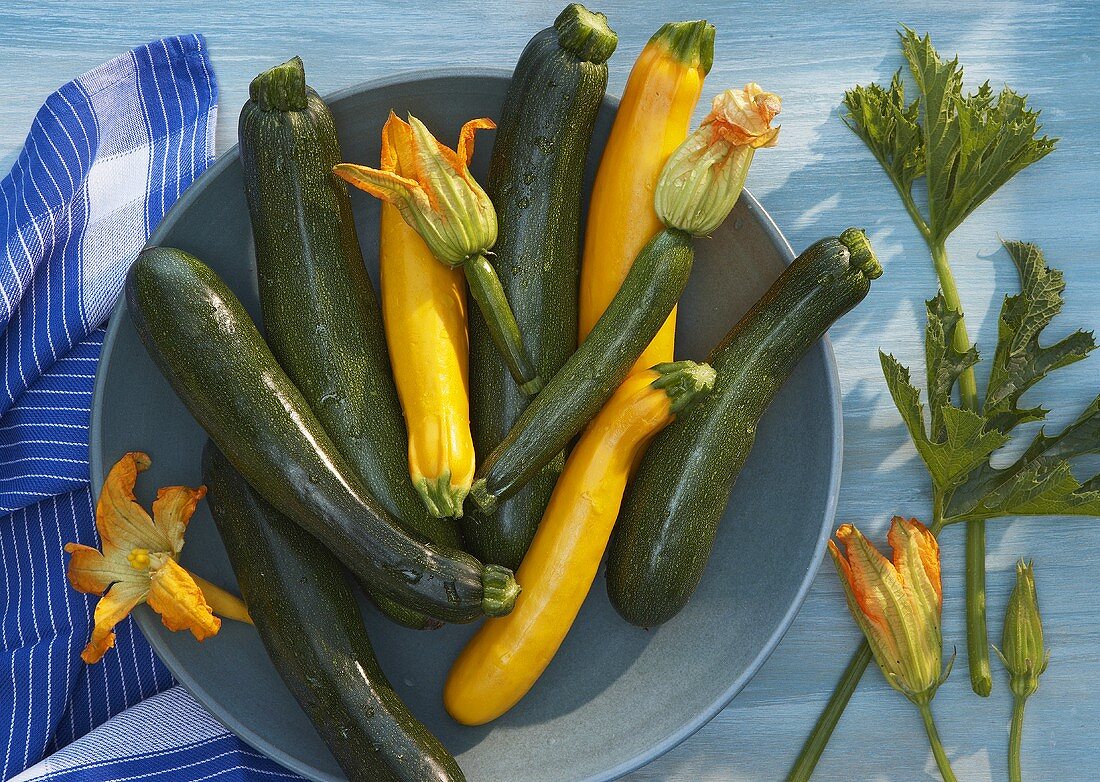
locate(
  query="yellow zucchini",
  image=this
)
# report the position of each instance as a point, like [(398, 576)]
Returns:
[(424, 309), (653, 118), (507, 655)]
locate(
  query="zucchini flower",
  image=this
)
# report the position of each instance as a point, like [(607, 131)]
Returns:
[(703, 178), (1023, 654), (897, 605), (139, 562), (433, 189)]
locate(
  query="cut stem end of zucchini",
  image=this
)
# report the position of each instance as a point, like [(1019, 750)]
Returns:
[(684, 382), (863, 257), (691, 43), (480, 494), (501, 590), (441, 498), (282, 88), (585, 34)]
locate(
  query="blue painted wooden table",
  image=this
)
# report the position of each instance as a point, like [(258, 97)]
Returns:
[(818, 181)]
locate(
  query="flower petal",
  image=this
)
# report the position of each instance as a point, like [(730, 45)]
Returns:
[(385, 185), (111, 609), (172, 509), (431, 153), (917, 558), (878, 635), (121, 521), (743, 117), (870, 574), (177, 598), (92, 573), (398, 147), (466, 138)]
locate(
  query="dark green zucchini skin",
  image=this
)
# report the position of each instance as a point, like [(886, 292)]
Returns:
[(588, 378), (208, 348), (310, 624), (535, 183), (672, 507), (321, 315)]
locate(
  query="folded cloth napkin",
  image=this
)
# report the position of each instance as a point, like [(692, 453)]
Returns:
[(107, 156)]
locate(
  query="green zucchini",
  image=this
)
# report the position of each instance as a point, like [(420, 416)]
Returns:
[(588, 378), (535, 181), (310, 624), (672, 508), (208, 348), (321, 316)]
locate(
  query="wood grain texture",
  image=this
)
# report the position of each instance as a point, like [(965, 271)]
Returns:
[(818, 181)]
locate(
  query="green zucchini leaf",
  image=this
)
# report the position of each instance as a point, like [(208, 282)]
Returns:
[(966, 444), (1020, 361), (973, 143), (1040, 482), (888, 126)]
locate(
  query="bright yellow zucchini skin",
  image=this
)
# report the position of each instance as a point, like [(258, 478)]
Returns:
[(507, 655), (653, 118), (424, 309)]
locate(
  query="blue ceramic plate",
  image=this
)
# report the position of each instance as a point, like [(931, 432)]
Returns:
[(615, 696)]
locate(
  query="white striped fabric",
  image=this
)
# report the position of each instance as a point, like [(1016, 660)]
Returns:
[(106, 157)]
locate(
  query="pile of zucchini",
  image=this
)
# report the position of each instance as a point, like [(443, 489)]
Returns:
[(307, 418)]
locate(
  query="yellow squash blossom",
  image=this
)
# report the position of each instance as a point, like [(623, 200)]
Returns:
[(431, 185), (435, 191), (897, 603), (139, 562), (703, 178)]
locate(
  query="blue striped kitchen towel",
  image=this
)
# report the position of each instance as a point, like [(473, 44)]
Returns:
[(106, 157)]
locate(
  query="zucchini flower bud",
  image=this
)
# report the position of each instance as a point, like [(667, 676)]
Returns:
[(1022, 650), (703, 178), (431, 185), (897, 603)]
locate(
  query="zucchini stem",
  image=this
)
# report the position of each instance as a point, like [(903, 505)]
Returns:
[(585, 34), (818, 739), (690, 43), (977, 637), (491, 300), (1015, 739), (441, 498), (282, 88), (500, 590)]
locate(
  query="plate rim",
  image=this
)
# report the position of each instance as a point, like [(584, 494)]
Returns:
[(147, 620)]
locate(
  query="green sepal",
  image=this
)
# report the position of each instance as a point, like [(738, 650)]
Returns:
[(441, 498), (685, 382)]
